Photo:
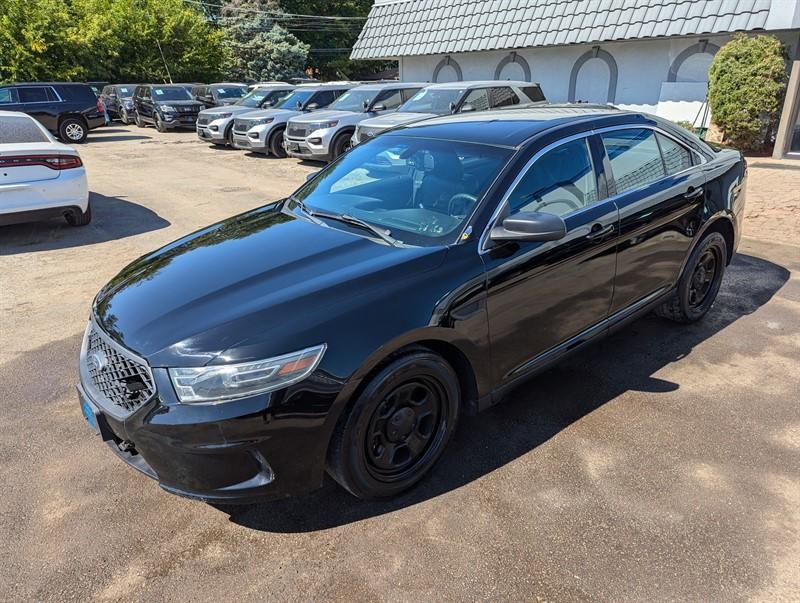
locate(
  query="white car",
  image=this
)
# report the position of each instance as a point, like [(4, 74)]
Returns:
[(39, 177)]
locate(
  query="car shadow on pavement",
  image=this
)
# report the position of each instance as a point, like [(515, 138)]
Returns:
[(539, 409), (112, 138), (112, 218)]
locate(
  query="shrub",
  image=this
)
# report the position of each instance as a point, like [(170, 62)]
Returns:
[(746, 84), (685, 124)]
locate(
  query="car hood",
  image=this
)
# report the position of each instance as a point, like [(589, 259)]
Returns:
[(276, 113), (391, 120), (263, 273), (178, 103), (234, 109), (316, 116)]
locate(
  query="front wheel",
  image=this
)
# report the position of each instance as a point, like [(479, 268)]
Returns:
[(397, 428), (123, 116), (138, 119), (159, 123), (341, 145), (276, 148), (73, 129), (700, 282)]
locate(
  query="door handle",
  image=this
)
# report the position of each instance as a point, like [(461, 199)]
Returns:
[(693, 193), (599, 232)]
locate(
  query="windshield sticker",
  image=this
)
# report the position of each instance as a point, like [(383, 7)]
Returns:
[(159, 92), (221, 90)]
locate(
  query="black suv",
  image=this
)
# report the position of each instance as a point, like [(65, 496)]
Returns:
[(118, 101), (166, 106), (216, 95), (69, 110)]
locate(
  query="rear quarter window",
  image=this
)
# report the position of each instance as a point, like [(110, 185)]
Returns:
[(20, 129)]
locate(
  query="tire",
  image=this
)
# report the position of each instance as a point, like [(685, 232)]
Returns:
[(79, 218), (123, 117), (158, 123), (397, 428), (73, 129), (138, 119), (229, 136), (700, 282), (276, 144), (341, 144)]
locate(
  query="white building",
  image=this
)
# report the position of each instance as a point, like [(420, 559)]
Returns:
[(648, 55)]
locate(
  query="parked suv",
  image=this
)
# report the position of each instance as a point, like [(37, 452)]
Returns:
[(118, 101), (69, 110), (215, 95), (453, 97), (262, 131), (348, 327), (166, 106), (327, 135), (216, 124)]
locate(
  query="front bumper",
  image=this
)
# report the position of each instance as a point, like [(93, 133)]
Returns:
[(255, 139), (179, 120), (214, 131), (315, 146), (236, 452)]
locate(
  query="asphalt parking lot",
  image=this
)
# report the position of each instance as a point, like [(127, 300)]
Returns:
[(661, 464)]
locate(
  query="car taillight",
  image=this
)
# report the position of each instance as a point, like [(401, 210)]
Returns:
[(54, 162), (100, 106)]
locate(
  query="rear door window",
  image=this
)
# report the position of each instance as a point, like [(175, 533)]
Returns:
[(7, 96), (676, 157), (635, 158), (33, 94), (503, 97), (478, 99), (534, 93)]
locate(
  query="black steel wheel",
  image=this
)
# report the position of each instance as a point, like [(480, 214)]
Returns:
[(397, 428), (341, 144), (700, 282), (276, 148), (158, 122)]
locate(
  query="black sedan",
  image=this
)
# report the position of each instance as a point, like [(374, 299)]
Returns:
[(417, 278)]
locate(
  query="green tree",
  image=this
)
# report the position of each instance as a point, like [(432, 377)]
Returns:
[(746, 85), (258, 48)]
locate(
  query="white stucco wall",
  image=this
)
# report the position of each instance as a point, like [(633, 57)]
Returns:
[(642, 72)]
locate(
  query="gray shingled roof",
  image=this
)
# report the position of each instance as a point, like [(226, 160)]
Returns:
[(399, 28)]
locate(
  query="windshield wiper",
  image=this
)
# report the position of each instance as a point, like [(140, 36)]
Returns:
[(383, 233), (306, 212)]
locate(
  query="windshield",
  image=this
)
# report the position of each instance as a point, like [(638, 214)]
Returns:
[(421, 190), (298, 96), (353, 100), (176, 93), (261, 96), (432, 101), (124, 91), (233, 92)]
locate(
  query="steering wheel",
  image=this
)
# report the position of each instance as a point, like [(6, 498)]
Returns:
[(466, 201)]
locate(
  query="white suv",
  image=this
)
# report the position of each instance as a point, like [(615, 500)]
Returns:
[(40, 178)]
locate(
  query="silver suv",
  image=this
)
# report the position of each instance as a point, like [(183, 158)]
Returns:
[(262, 131), (326, 135), (452, 97), (216, 124)]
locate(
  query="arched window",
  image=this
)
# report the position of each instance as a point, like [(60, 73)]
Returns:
[(594, 77), (513, 67), (692, 64), (448, 70)]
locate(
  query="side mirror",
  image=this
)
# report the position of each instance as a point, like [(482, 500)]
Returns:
[(309, 106), (365, 105), (452, 107), (466, 108), (529, 226), (379, 107), (311, 176)]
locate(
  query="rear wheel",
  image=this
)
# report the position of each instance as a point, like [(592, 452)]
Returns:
[(79, 218), (73, 129), (341, 144), (397, 428), (700, 282), (276, 144)]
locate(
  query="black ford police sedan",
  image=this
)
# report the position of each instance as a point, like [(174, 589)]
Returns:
[(347, 327)]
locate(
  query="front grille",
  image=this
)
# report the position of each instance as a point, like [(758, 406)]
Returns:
[(363, 134), (296, 131), (242, 125), (186, 109), (202, 121), (122, 380)]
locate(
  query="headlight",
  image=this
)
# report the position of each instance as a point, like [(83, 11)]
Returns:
[(166, 108), (229, 381), (128, 104), (223, 115), (322, 125), (263, 120)]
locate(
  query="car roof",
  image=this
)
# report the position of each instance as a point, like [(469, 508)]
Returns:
[(326, 85), (15, 84), (393, 84), (228, 84), (509, 127), (479, 84)]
